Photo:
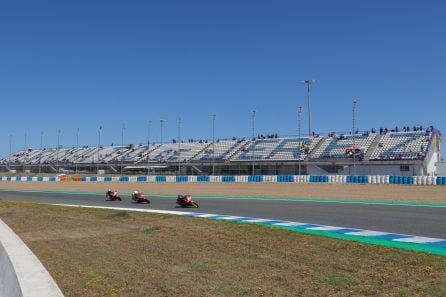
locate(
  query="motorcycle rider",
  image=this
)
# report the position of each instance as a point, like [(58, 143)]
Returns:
[(109, 192), (182, 199), (135, 195)]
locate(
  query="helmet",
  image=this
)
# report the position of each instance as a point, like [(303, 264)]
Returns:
[(135, 192), (180, 197), (109, 190)]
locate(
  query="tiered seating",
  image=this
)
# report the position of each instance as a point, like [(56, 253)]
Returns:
[(135, 153), (21, 157), (338, 146), (258, 149), (410, 145), (294, 148), (66, 155), (47, 156), (172, 152), (402, 145), (143, 156), (289, 148), (89, 155), (108, 154), (223, 149)]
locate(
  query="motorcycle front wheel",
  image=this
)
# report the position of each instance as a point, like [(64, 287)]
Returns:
[(195, 204)]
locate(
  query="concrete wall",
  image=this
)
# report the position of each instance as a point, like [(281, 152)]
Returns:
[(21, 273)]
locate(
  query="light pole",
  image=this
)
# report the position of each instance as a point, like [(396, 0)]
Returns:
[(41, 151), (354, 144), (10, 146), (57, 151), (161, 128), (149, 127), (213, 143), (179, 145), (24, 153), (299, 113), (99, 145), (253, 138), (309, 82), (77, 149), (122, 143)]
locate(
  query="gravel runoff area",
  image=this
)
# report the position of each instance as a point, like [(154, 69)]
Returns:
[(374, 192)]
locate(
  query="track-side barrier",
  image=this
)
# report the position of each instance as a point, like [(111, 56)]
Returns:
[(338, 179)]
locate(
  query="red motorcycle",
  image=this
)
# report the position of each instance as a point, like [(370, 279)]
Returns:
[(140, 197), (186, 201), (112, 195)]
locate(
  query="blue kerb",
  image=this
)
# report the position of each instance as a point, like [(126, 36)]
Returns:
[(194, 214), (108, 179), (392, 236), (223, 217), (437, 244), (345, 230), (268, 223), (305, 226), (302, 227)]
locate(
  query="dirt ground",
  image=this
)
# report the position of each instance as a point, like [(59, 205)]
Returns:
[(104, 253), (410, 193)]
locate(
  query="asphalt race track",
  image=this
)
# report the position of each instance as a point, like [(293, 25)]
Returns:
[(411, 220)]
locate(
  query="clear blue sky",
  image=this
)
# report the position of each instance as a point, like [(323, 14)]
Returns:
[(80, 64)]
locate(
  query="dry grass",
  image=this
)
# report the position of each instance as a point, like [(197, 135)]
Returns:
[(94, 252)]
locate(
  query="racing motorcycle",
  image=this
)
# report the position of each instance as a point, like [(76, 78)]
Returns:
[(186, 201), (112, 195), (140, 198)]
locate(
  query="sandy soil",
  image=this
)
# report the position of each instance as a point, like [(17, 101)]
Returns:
[(414, 193)]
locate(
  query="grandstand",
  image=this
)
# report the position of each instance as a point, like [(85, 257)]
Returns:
[(415, 152)]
